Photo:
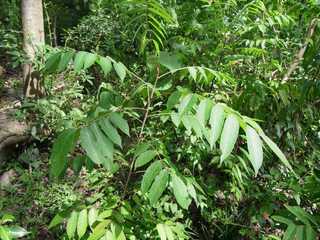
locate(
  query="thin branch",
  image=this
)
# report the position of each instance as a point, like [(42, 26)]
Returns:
[(142, 128), (299, 56), (149, 103)]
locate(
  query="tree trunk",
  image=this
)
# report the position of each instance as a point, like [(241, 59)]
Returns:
[(33, 34)]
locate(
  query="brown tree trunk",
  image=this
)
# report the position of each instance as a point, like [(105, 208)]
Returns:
[(33, 34)]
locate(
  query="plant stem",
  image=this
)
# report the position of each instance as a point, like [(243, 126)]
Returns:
[(142, 128)]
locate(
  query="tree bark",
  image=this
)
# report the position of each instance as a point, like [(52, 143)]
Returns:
[(33, 34)]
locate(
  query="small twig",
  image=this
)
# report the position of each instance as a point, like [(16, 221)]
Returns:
[(142, 128), (299, 56), (149, 103), (48, 22)]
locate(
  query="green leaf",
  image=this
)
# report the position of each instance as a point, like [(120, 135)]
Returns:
[(187, 104), (164, 85), (150, 174), (52, 63), (299, 233), (65, 60), (72, 224), (108, 236), (105, 214), (104, 146), (17, 232), (119, 122), (193, 72), (173, 99), (217, 118), (99, 230), (121, 70), (106, 99), (61, 147), (169, 61), (276, 150), (77, 164), (89, 142), (180, 191), (161, 231), (282, 220), (255, 149), (203, 111), (195, 125), (140, 148), (310, 233), (290, 232), (4, 234), (229, 136), (7, 218), (79, 61), (144, 158), (169, 233), (82, 222), (158, 186), (175, 118), (58, 218), (186, 122), (110, 131), (92, 216), (105, 65), (302, 215), (89, 60), (97, 146), (117, 232)]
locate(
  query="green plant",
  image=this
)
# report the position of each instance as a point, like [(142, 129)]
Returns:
[(160, 140), (154, 17), (8, 232), (302, 227), (10, 47), (204, 120)]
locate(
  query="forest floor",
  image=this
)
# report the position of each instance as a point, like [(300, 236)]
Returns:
[(25, 189), (12, 127)]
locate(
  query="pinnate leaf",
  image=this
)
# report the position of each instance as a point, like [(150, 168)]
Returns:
[(180, 191), (158, 186), (89, 60), (17, 232), (203, 111), (79, 61), (105, 65), (61, 147), (118, 121), (187, 104), (4, 234), (52, 63), (276, 150), (72, 224), (150, 174), (229, 136), (217, 118), (121, 70), (255, 148), (82, 222), (145, 157), (110, 131), (65, 60)]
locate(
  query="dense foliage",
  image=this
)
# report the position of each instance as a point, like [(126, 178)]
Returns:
[(169, 120)]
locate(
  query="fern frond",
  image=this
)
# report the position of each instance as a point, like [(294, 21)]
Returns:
[(150, 23)]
